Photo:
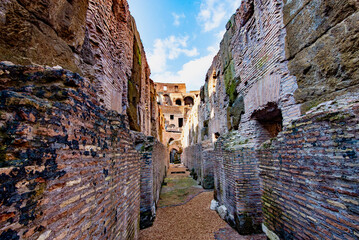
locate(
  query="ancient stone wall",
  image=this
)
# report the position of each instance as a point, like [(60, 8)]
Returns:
[(279, 59), (68, 167), (310, 175), (116, 61), (237, 186), (248, 75), (154, 166), (321, 43), (199, 159), (48, 32), (97, 39)]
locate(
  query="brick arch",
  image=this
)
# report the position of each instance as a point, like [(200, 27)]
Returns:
[(188, 100)]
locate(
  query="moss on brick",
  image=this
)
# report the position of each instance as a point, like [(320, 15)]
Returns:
[(311, 104), (138, 54), (260, 64), (231, 83), (333, 117)]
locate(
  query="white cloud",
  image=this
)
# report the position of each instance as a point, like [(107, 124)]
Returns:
[(220, 34), (193, 73), (169, 49), (177, 18), (213, 13)]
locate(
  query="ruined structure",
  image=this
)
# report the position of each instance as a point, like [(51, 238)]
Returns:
[(175, 104), (84, 146), (278, 116), (71, 162)]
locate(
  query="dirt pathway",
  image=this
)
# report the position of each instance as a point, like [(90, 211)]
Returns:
[(191, 219)]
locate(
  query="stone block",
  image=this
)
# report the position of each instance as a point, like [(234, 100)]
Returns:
[(222, 211), (214, 205)]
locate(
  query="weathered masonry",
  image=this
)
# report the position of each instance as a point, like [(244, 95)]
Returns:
[(153, 171), (80, 142), (279, 115), (64, 160)]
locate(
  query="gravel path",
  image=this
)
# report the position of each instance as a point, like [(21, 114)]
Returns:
[(189, 219), (193, 220)]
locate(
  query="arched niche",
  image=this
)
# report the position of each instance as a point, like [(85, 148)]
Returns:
[(188, 101)]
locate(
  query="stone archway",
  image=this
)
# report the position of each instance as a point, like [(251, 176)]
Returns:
[(188, 101), (175, 156)]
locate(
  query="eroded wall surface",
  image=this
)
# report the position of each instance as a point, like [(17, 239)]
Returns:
[(47, 32), (277, 61), (199, 159), (310, 175), (154, 165), (68, 166), (321, 45), (97, 39)]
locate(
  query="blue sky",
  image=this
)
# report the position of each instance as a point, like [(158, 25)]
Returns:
[(181, 37)]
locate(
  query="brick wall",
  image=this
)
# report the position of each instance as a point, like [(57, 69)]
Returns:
[(310, 175), (199, 159), (237, 187), (277, 61), (192, 158), (68, 167), (154, 165), (95, 38), (302, 184), (207, 165)]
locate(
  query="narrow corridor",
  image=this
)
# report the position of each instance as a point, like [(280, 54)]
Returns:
[(184, 212)]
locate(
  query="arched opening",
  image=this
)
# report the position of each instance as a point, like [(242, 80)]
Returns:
[(270, 121), (167, 100), (175, 156), (178, 102), (188, 101)]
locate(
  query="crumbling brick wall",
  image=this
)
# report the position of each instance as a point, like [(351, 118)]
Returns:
[(68, 167), (199, 159), (97, 39), (154, 165), (279, 59), (310, 175), (237, 186)]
